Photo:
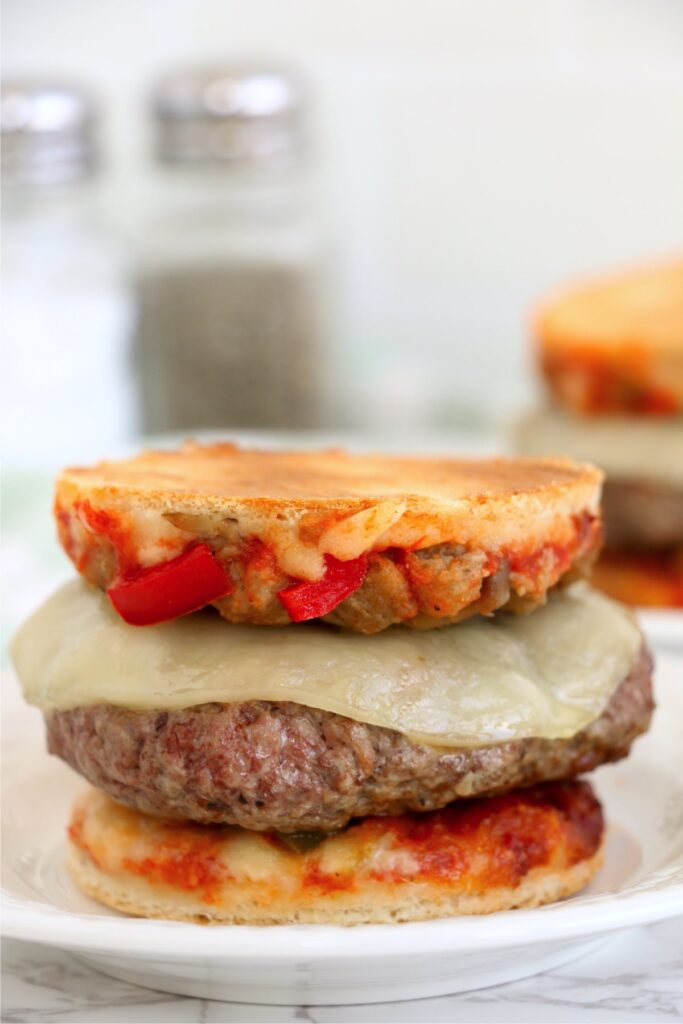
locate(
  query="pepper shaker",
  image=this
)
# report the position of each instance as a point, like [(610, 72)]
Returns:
[(229, 269)]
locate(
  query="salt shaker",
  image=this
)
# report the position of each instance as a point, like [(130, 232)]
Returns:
[(67, 314), (230, 257)]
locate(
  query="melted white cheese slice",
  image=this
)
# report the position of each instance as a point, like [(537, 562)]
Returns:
[(547, 674)]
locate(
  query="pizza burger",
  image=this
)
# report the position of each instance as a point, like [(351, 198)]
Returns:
[(320, 687), (611, 355)]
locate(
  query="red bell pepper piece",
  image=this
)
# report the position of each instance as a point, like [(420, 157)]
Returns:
[(312, 600), (164, 592)]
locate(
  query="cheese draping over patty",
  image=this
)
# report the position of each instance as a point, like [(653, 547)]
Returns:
[(481, 681)]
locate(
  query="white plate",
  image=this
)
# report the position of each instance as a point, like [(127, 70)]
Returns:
[(663, 627), (642, 881)]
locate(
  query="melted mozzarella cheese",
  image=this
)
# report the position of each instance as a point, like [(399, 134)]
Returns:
[(482, 681)]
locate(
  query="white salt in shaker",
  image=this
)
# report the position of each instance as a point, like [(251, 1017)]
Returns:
[(67, 388)]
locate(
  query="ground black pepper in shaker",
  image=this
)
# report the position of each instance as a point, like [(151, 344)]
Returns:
[(230, 269)]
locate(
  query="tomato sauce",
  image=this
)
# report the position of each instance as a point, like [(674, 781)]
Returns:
[(111, 526), (107, 554), (313, 877), (186, 857), (597, 384)]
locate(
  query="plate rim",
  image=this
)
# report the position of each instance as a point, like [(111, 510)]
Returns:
[(114, 936)]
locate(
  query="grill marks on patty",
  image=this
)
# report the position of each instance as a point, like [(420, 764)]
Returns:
[(267, 765)]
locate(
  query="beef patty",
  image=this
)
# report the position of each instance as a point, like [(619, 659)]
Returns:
[(281, 766), (642, 515)]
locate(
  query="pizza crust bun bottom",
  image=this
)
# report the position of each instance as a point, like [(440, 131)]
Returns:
[(523, 849)]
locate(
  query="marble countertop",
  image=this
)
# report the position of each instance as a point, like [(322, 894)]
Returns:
[(636, 976)]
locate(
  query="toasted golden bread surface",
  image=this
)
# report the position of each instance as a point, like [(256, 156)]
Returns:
[(335, 503), (615, 344), (523, 849), (274, 518), (220, 477)]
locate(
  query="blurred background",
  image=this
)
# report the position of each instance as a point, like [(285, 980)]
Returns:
[(287, 214), (294, 215)]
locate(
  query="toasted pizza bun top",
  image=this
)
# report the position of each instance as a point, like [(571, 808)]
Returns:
[(354, 527), (523, 849), (616, 344), (225, 478), (274, 537)]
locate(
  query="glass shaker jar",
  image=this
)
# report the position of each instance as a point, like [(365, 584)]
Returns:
[(229, 330), (66, 320)]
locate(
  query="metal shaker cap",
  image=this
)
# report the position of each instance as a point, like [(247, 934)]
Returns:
[(242, 115), (48, 132)]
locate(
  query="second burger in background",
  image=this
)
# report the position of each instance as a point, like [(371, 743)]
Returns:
[(611, 354)]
